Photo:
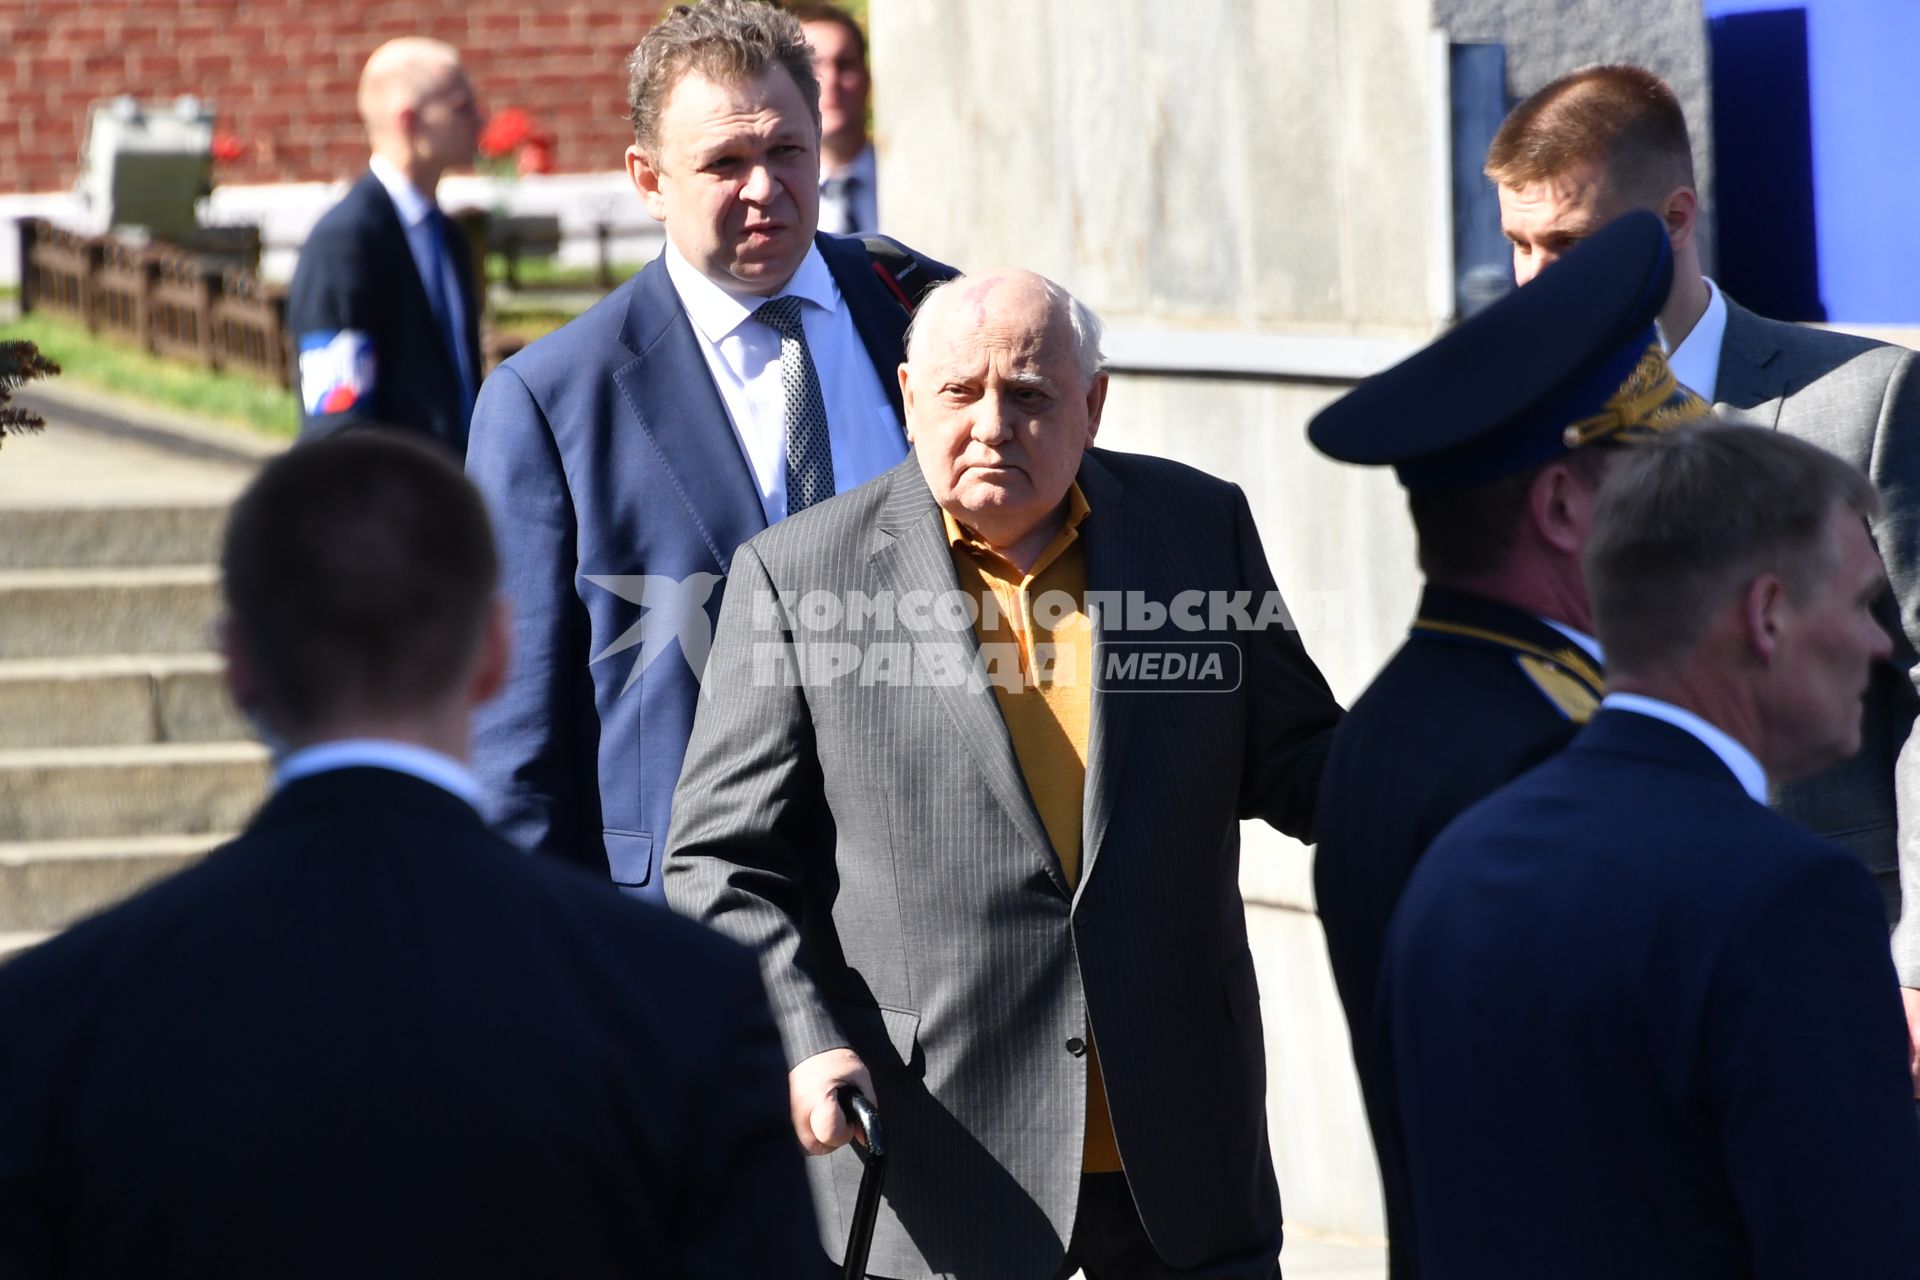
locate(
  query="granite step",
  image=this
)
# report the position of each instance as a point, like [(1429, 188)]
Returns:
[(66, 613), (109, 536), (48, 884), (115, 700), (72, 793)]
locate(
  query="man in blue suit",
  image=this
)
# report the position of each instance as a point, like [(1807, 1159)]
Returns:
[(1639, 1024), (384, 306), (745, 374)]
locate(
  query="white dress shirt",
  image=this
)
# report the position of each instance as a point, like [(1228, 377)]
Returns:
[(744, 356), (1743, 764), (413, 206), (380, 753), (859, 212), (1696, 361)]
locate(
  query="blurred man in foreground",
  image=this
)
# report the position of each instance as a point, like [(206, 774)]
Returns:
[(369, 1038), (1639, 1024), (987, 846)]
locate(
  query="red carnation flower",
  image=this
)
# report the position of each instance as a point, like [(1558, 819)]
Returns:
[(536, 156), (505, 131)]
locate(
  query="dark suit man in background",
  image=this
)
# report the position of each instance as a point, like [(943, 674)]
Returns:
[(745, 374), (849, 180), (988, 851), (369, 1038), (383, 305), (1640, 1025), (1500, 668), (1603, 140)]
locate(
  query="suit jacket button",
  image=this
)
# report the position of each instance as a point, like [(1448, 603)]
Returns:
[(1076, 1046)]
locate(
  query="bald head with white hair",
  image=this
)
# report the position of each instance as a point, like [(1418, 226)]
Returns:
[(1003, 391), (419, 109)]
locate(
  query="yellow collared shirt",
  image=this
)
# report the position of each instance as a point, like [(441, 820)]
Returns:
[(1036, 643)]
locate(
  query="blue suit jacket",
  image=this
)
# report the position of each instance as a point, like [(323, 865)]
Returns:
[(356, 272), (1641, 1026), (619, 493)]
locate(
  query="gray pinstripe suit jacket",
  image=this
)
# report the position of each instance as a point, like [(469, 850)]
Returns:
[(878, 847), (1861, 400)]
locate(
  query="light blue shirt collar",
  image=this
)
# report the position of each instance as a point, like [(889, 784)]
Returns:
[(1586, 642), (415, 761), (1744, 765), (412, 204), (717, 312)]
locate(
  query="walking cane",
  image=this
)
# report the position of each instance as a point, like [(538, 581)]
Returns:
[(873, 1176)]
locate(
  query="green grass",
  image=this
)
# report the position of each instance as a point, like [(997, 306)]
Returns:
[(545, 273), (529, 322), (105, 365)]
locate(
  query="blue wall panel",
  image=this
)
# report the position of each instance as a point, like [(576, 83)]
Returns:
[(1863, 77)]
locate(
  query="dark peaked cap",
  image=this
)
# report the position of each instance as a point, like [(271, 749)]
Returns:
[(1569, 360)]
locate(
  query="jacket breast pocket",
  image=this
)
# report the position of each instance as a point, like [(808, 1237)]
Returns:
[(876, 1029), (629, 857)]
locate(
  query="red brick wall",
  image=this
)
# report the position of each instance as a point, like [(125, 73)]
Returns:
[(281, 74)]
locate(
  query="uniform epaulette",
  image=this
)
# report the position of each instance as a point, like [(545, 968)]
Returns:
[(1566, 677), (1568, 691)]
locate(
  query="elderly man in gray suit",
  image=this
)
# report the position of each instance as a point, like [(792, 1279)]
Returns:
[(973, 747), (1602, 140)]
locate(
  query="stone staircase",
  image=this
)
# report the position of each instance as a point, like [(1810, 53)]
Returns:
[(121, 760)]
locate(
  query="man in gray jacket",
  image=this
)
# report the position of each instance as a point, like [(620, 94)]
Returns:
[(973, 748)]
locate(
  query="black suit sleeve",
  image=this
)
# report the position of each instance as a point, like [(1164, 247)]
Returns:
[(332, 313), (1291, 712), (743, 1205), (1806, 1057)]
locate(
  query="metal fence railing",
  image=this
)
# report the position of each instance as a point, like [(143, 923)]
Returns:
[(203, 304)]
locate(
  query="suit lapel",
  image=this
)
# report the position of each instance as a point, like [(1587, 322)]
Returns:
[(877, 315), (914, 556), (1750, 378), (462, 251), (1115, 557), (669, 390), (396, 232)]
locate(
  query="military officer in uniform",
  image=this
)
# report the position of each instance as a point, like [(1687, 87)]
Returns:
[(1501, 432)]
